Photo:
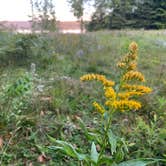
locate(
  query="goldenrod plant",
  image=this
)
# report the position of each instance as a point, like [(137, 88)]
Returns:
[(120, 96)]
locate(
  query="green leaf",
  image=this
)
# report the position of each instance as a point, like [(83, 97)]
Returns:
[(89, 135), (56, 148), (138, 162), (94, 153), (105, 160), (67, 149), (51, 139), (124, 145), (112, 141), (119, 156)]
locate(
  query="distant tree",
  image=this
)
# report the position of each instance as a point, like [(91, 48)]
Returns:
[(77, 7), (32, 15), (43, 15)]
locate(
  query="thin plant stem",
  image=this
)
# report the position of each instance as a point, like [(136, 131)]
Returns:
[(7, 145), (105, 135)]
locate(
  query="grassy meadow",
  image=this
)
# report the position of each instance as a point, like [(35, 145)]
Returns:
[(41, 95)]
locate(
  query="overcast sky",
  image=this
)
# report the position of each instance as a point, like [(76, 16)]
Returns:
[(19, 10)]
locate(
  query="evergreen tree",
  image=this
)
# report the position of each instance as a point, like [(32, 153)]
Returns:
[(118, 14), (111, 13)]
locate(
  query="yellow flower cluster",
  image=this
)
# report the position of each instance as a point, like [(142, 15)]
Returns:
[(129, 65), (110, 93), (123, 105), (128, 61), (132, 66), (133, 90), (97, 77), (133, 47), (127, 95), (121, 64), (138, 88), (131, 75), (120, 97), (98, 108)]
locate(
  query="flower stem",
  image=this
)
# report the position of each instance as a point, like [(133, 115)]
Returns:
[(104, 141)]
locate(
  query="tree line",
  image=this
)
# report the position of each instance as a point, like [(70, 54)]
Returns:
[(120, 14), (108, 14)]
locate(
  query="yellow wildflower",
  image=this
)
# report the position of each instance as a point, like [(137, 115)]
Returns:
[(133, 56), (128, 60), (133, 47), (97, 77), (132, 66), (126, 95), (123, 105), (138, 88), (130, 75), (88, 77), (130, 57), (121, 64), (108, 83), (110, 93), (120, 98), (98, 108)]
